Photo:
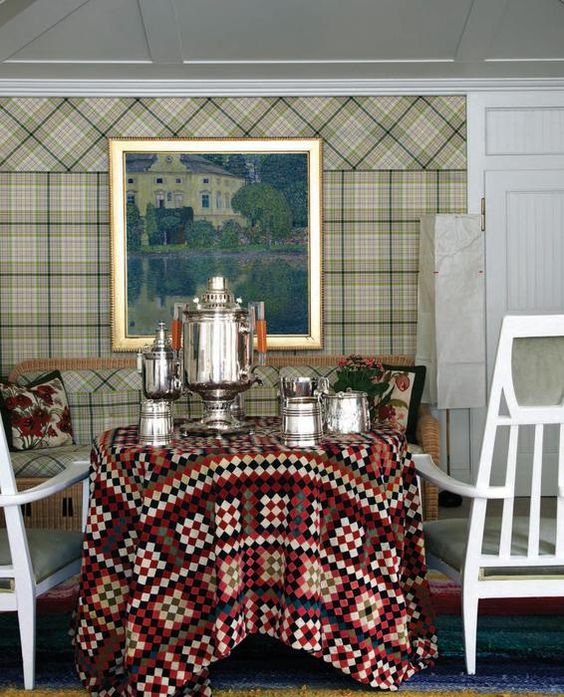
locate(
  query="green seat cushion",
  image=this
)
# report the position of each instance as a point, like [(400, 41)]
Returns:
[(47, 462), (446, 539), (50, 550)]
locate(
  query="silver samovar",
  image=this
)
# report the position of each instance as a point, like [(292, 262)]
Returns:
[(218, 355), (160, 370)]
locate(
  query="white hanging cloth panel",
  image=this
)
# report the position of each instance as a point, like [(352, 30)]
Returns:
[(451, 311)]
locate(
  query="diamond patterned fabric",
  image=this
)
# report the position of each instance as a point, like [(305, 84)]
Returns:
[(190, 548)]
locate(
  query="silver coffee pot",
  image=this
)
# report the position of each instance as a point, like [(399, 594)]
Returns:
[(218, 355), (160, 370)]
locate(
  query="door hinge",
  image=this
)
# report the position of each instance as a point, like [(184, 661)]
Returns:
[(483, 214)]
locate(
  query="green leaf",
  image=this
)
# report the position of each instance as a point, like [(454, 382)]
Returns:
[(379, 388), (398, 403)]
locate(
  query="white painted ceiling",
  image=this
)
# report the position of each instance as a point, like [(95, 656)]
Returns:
[(280, 39)]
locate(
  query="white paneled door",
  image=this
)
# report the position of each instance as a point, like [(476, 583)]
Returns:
[(524, 259)]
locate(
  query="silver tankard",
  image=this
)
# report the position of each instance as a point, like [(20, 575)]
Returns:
[(156, 423), (302, 421)]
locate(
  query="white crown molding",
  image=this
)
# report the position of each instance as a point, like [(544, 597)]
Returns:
[(272, 87)]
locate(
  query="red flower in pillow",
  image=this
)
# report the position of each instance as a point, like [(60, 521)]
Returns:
[(386, 412), (24, 423), (18, 401), (35, 413), (39, 418), (65, 424), (402, 382), (45, 392)]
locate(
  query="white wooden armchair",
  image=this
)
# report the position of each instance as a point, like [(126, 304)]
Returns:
[(503, 555), (33, 561)]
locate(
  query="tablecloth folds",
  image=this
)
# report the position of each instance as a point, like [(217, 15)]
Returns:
[(190, 548)]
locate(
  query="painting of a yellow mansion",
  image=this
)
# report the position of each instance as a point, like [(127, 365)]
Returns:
[(174, 180)]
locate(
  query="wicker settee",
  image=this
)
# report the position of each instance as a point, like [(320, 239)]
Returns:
[(106, 392)]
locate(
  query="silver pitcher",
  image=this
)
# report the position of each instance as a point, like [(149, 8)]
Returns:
[(346, 412), (161, 384), (218, 354), (301, 386)]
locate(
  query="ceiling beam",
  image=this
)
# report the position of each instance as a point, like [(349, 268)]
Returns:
[(480, 28), (161, 30), (33, 21)]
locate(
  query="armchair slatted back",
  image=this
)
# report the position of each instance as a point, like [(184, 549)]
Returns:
[(535, 540)]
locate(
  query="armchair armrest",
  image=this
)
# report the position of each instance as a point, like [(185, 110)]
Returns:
[(69, 476), (429, 438), (427, 469)]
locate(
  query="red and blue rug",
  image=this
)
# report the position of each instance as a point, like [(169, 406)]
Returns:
[(517, 653)]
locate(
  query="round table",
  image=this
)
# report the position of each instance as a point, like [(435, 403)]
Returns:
[(190, 548)]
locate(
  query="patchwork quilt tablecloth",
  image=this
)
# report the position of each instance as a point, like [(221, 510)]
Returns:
[(192, 547)]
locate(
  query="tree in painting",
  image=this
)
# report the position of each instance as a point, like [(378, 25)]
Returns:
[(240, 215)]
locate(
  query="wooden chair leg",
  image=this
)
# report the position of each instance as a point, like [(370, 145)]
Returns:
[(26, 619), (470, 623)]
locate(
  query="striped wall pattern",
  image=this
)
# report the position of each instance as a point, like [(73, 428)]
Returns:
[(387, 161)]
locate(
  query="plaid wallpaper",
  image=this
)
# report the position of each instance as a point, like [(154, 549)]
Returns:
[(387, 161)]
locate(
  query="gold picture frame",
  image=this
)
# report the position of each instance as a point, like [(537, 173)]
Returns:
[(185, 208)]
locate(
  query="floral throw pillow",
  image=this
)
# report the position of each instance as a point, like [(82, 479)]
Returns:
[(399, 404), (36, 415)]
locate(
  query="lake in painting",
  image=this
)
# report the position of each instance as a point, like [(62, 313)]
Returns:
[(155, 282), (243, 216)]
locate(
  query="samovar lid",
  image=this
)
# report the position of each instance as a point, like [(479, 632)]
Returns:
[(218, 295)]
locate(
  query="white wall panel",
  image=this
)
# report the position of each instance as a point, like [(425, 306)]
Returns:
[(535, 250), (526, 131), (517, 133)]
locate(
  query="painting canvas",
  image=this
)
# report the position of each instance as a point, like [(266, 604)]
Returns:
[(185, 210)]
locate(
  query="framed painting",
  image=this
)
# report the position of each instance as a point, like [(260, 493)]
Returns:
[(183, 210)]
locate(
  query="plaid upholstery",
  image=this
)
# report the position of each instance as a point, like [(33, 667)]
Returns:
[(310, 371), (107, 398), (387, 161), (46, 462), (262, 400), (99, 399)]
